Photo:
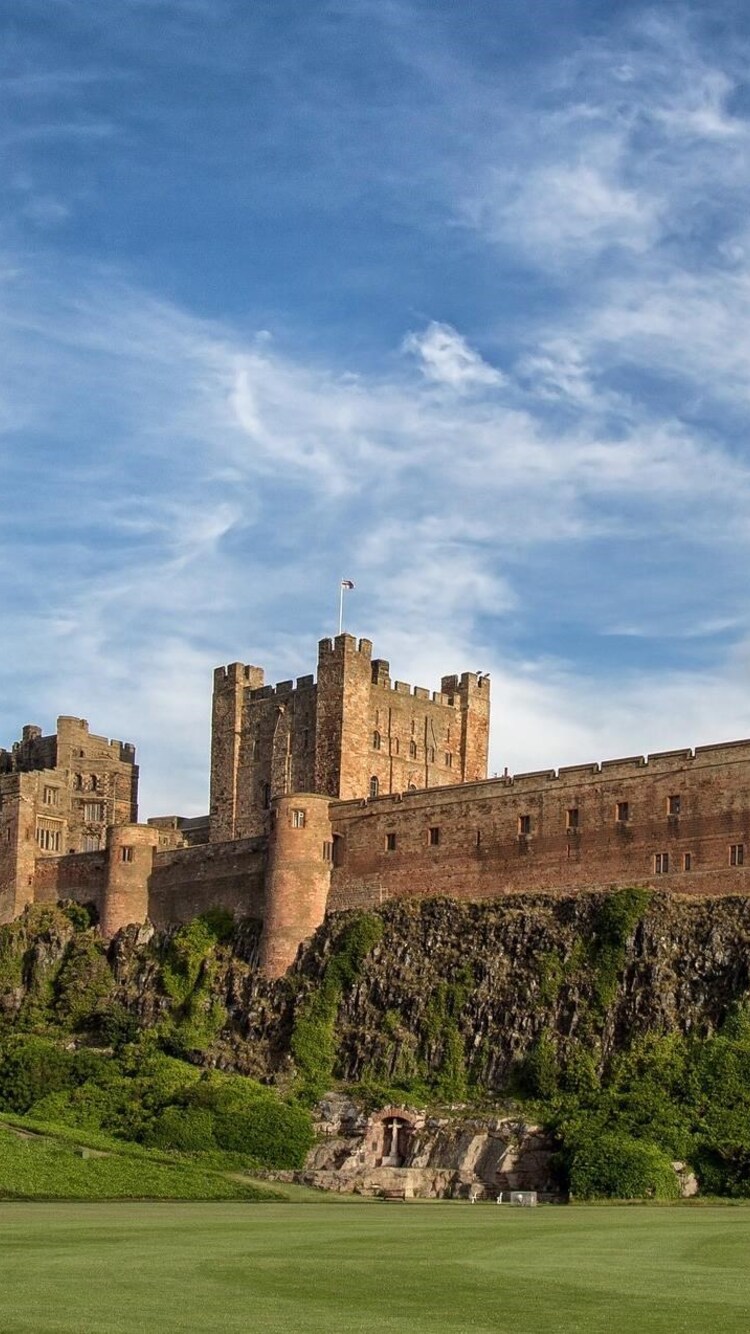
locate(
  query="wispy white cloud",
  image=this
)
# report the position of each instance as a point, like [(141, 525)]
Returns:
[(445, 357)]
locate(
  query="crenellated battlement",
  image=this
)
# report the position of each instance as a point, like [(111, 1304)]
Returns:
[(282, 688), (344, 645), (658, 764), (238, 674)]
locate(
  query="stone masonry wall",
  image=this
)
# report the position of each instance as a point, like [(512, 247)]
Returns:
[(681, 816), (188, 881)]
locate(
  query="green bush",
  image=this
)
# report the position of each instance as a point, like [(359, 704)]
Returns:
[(274, 1134), (616, 918), (113, 1025), (251, 1119), (81, 915), (31, 1067), (612, 1166), (84, 983), (357, 940), (313, 1041), (186, 1128), (540, 1071), (221, 1092)]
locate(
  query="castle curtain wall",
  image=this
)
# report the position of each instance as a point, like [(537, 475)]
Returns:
[(188, 881), (555, 832)]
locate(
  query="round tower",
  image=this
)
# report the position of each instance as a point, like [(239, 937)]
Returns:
[(130, 855), (298, 877)]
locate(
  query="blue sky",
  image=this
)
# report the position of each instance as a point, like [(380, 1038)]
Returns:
[(452, 300)]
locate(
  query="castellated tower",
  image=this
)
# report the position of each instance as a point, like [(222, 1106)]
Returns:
[(351, 733), (58, 795)]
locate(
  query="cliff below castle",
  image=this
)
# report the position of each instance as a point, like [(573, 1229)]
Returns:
[(437, 995)]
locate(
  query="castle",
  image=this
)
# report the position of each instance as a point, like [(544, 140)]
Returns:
[(345, 790)]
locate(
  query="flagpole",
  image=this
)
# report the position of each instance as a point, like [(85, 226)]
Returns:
[(344, 587)]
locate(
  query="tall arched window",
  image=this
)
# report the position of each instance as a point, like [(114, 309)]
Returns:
[(374, 786), (376, 741)]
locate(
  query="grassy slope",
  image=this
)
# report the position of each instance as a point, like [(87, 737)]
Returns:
[(81, 1269), (49, 1167)]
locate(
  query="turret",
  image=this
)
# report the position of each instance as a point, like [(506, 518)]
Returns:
[(230, 684), (298, 877), (473, 693), (130, 855), (343, 716)]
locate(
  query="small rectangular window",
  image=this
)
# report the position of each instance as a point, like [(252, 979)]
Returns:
[(687, 861), (572, 817), (737, 854), (328, 852), (91, 843), (479, 838), (298, 819), (390, 842), (433, 836), (623, 812), (92, 811), (661, 863), (673, 805), (524, 824), (126, 854), (448, 759), (50, 796)]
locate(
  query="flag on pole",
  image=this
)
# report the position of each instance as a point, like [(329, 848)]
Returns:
[(346, 585)]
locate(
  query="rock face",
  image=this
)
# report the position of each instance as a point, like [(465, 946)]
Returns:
[(435, 1157), (481, 982), (454, 995)]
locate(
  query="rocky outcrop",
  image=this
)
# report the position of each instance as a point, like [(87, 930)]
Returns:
[(453, 995), (439, 1157)]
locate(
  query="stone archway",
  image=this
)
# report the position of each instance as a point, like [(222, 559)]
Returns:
[(390, 1136)]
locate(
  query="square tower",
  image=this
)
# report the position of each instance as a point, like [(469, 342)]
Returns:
[(350, 733)]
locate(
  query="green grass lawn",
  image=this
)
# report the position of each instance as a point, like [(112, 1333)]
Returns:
[(158, 1268)]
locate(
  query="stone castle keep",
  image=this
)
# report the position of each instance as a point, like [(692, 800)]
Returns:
[(346, 790)]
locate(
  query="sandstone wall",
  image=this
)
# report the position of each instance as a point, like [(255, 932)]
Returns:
[(620, 822), (186, 882), (81, 877)]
